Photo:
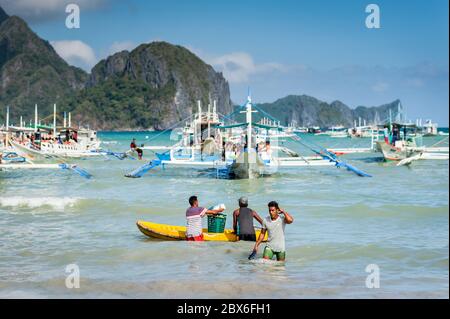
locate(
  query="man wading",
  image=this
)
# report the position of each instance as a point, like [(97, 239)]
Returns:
[(243, 217), (274, 224)]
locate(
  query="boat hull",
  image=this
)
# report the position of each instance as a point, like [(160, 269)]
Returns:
[(248, 165), (392, 153), (170, 232), (50, 152), (33, 155)]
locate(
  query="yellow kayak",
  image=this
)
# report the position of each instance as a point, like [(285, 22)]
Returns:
[(170, 232)]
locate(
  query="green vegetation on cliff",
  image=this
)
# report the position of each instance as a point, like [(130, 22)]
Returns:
[(121, 103)]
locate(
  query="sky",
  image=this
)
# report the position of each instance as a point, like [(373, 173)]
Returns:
[(320, 48)]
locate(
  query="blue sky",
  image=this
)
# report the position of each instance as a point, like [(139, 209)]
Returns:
[(320, 48)]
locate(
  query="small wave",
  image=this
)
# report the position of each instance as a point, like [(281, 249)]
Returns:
[(30, 202), (267, 262), (109, 142)]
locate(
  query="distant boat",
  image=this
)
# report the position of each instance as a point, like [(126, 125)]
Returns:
[(85, 145), (46, 142), (314, 130), (430, 128), (400, 143)]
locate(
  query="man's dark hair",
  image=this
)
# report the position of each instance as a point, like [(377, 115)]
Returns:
[(192, 200), (273, 204)]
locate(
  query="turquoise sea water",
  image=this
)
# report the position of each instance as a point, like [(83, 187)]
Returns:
[(398, 220)]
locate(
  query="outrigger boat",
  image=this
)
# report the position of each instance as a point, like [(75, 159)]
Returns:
[(85, 145), (13, 161), (337, 131), (403, 142), (237, 150), (43, 143)]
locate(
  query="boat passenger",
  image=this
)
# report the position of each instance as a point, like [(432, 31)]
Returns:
[(395, 134), (37, 139), (194, 214), (75, 136), (223, 150), (243, 218), (133, 144), (274, 224), (134, 147)]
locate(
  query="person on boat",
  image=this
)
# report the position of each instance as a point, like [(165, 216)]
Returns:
[(75, 136), (243, 218), (37, 139), (194, 215), (395, 134), (274, 224), (67, 137), (224, 145), (386, 135), (134, 147)]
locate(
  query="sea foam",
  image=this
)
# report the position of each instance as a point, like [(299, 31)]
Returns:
[(36, 202)]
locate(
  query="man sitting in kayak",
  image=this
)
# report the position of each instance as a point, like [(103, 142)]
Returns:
[(274, 224), (133, 146), (243, 217), (194, 214)]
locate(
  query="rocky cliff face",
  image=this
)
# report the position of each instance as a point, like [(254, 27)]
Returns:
[(175, 79), (31, 71)]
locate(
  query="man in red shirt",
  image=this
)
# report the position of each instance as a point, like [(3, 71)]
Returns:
[(133, 146)]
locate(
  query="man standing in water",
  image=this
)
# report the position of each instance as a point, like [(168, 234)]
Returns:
[(243, 217), (134, 147), (194, 215), (274, 224)]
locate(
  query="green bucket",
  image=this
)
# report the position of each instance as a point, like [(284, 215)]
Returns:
[(216, 223)]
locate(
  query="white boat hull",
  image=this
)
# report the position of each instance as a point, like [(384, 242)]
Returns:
[(51, 151)]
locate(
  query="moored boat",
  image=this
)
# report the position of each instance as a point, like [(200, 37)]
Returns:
[(404, 140)]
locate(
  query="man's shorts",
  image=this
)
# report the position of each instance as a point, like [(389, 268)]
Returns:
[(195, 238), (269, 253), (247, 237)]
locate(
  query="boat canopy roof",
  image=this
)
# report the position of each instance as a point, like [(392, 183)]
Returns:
[(399, 124), (20, 129), (246, 124), (29, 129), (223, 127), (64, 129), (267, 127)]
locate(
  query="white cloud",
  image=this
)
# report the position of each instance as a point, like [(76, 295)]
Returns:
[(43, 10), (238, 67), (75, 52), (120, 46), (415, 82), (380, 87)]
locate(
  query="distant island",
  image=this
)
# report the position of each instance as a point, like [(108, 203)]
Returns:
[(154, 86)]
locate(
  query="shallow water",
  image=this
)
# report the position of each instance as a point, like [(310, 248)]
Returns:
[(398, 220)]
